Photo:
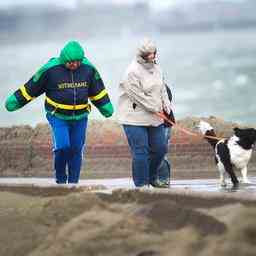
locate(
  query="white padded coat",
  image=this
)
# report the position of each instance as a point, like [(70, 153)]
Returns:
[(142, 91)]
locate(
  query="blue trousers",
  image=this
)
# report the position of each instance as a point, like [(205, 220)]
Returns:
[(68, 145), (164, 171), (148, 147)]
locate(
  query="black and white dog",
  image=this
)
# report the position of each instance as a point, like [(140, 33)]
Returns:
[(235, 151)]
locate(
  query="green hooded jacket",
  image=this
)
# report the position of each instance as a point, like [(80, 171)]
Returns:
[(66, 98)]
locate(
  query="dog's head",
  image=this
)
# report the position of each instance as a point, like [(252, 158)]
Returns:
[(247, 136), (204, 127)]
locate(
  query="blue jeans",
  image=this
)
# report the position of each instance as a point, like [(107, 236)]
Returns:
[(148, 147), (68, 144), (164, 171)]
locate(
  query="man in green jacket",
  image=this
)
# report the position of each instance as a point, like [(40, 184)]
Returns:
[(67, 81)]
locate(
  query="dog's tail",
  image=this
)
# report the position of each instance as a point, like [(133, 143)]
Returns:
[(206, 129)]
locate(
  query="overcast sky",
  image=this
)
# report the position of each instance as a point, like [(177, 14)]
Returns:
[(156, 4)]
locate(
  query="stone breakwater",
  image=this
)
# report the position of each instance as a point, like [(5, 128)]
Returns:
[(27, 151)]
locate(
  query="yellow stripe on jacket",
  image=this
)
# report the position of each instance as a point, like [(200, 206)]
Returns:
[(66, 107), (99, 95), (25, 93)]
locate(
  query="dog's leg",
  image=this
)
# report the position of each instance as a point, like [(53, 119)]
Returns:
[(244, 175), (224, 157), (230, 171), (223, 182), (222, 174)]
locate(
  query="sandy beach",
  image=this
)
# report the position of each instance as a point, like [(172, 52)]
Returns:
[(46, 221)]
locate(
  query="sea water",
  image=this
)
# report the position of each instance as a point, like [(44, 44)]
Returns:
[(210, 73)]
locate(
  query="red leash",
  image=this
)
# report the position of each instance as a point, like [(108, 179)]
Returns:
[(162, 115)]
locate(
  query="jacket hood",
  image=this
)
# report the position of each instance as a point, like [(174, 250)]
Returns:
[(146, 47), (71, 51)]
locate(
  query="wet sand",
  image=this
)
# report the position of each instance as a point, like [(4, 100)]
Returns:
[(59, 221)]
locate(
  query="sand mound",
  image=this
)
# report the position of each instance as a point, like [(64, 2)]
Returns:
[(107, 132), (163, 212), (27, 152), (129, 223)]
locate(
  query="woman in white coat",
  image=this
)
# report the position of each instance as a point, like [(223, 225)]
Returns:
[(142, 94)]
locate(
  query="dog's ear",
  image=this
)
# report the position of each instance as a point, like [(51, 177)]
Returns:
[(252, 133), (237, 131)]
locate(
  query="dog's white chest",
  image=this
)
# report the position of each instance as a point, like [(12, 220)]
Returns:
[(239, 156)]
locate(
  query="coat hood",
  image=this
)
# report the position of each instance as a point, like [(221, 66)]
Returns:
[(146, 47), (71, 51)]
